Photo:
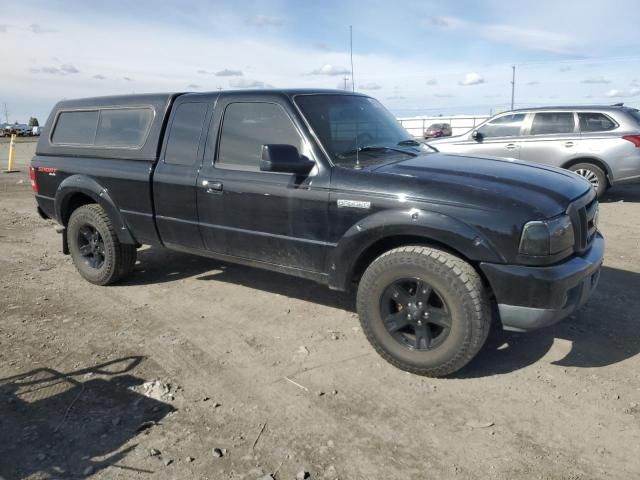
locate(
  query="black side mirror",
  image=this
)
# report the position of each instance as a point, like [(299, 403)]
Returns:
[(476, 135), (284, 158)]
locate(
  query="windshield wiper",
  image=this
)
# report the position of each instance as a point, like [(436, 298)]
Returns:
[(410, 142), (373, 148)]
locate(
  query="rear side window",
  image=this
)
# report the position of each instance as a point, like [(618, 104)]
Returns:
[(246, 127), (595, 122), (76, 128), (123, 128), (109, 127), (185, 133), (548, 123), (505, 126)]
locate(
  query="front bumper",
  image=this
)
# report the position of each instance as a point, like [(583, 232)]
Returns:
[(534, 297)]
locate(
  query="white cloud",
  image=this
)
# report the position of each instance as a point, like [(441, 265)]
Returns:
[(38, 29), (4, 28), (331, 70), (193, 86), (522, 37), (472, 78), (228, 73), (245, 83), (596, 80), (64, 69), (264, 21), (615, 93), (431, 81), (99, 77), (443, 95), (533, 82), (369, 86)]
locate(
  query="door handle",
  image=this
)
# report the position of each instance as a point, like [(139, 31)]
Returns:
[(568, 144), (212, 187), (511, 146)]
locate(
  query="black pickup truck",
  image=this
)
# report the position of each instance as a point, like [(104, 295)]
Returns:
[(324, 185)]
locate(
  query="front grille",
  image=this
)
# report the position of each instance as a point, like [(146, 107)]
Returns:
[(583, 217)]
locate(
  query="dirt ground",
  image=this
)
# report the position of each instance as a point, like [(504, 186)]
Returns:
[(145, 379)]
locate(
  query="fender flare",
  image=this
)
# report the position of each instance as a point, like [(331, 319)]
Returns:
[(89, 187), (432, 226)]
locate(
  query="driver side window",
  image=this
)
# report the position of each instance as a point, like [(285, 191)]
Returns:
[(247, 126), (504, 126)]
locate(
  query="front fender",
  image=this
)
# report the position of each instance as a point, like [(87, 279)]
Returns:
[(89, 187), (431, 226)]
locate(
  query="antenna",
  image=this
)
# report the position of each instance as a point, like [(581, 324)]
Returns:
[(353, 83)]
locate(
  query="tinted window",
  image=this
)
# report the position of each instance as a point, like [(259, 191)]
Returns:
[(246, 127), (345, 122), (595, 122), (552, 122), (505, 126), (76, 128), (184, 137), (125, 127)]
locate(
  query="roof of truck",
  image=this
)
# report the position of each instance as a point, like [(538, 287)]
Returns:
[(146, 98)]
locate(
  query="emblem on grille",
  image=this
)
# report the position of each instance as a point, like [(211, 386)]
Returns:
[(353, 204)]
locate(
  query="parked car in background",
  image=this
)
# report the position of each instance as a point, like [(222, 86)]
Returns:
[(437, 130), (601, 143), (35, 131)]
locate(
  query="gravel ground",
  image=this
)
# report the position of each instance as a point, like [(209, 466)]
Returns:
[(198, 369)]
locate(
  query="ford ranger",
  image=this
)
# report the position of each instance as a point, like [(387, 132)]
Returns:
[(324, 185)]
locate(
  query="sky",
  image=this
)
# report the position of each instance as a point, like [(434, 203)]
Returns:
[(422, 57)]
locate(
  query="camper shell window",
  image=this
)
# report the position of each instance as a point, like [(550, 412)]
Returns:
[(103, 127)]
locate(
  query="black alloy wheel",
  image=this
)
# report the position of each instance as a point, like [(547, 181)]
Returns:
[(91, 246), (415, 314)]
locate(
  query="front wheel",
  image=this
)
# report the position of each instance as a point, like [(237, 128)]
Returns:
[(424, 310), (594, 174), (95, 248)]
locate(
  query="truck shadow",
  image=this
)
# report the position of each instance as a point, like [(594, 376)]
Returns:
[(159, 266), (70, 425), (603, 332)]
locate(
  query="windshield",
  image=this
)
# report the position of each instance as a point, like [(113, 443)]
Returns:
[(351, 125)]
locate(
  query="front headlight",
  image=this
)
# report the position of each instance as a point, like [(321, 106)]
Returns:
[(548, 237)]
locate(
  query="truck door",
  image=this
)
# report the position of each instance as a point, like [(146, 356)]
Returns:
[(278, 218), (174, 180)]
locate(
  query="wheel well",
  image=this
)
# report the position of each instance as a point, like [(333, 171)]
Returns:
[(385, 244), (598, 163), (77, 200)]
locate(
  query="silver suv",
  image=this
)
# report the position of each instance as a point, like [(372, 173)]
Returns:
[(600, 143)]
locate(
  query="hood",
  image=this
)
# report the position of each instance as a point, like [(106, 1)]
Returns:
[(489, 182)]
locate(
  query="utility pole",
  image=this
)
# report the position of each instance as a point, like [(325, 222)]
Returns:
[(6, 113), (353, 83), (345, 82), (513, 84)]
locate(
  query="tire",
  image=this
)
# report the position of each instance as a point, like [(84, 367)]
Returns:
[(95, 248), (594, 175), (455, 309)]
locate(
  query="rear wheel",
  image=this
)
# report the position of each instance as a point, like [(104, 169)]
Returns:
[(424, 310), (594, 175), (95, 248)]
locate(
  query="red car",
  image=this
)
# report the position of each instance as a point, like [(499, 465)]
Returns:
[(438, 130)]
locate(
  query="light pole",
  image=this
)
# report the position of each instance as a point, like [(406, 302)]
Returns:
[(513, 84)]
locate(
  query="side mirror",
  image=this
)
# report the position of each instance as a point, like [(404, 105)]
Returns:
[(476, 135), (284, 158)]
